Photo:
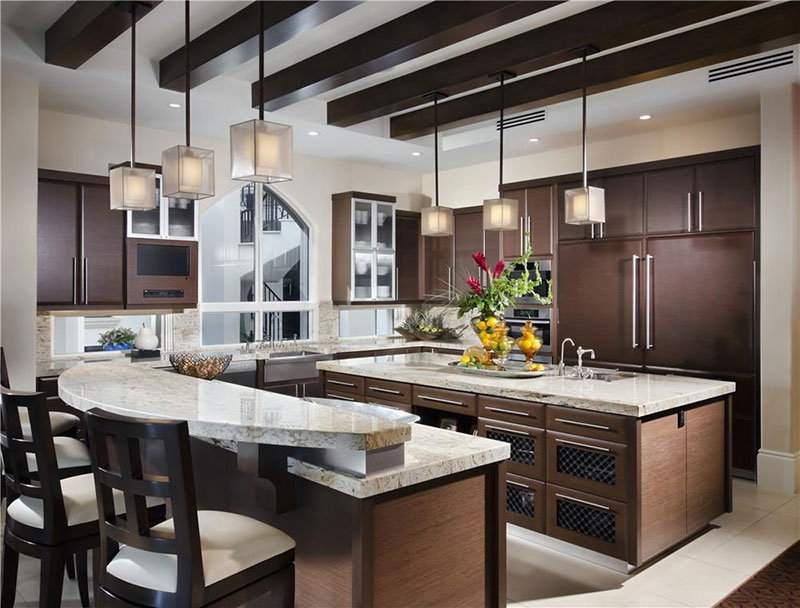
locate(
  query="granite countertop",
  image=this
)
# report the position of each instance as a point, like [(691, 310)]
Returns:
[(640, 396)]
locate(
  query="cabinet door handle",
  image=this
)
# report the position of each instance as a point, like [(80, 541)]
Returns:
[(583, 502), (635, 301), (505, 430), (340, 383), (521, 237), (85, 280), (700, 211), (591, 231), (583, 445), (688, 212), (518, 484), (74, 281), (396, 282), (440, 400), (586, 424), (648, 300), (502, 411), (296, 391), (530, 233), (335, 396), (378, 389)]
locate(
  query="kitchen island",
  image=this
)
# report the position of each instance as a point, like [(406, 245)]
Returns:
[(424, 525), (628, 466)]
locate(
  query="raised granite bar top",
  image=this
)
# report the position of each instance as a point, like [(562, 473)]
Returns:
[(222, 411), (640, 396)]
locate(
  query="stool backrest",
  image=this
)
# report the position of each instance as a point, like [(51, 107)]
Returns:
[(4, 381), (117, 444), (44, 484)]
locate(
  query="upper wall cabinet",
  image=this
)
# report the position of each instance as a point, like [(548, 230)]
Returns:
[(171, 219), (535, 219), (80, 243), (408, 250), (363, 243), (624, 198)]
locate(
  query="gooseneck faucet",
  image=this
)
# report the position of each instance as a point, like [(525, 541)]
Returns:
[(581, 373), (562, 368)]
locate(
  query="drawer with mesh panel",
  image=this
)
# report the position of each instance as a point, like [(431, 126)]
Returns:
[(589, 465), (590, 521), (525, 502), (527, 445)]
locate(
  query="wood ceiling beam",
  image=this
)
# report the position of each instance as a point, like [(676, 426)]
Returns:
[(763, 30), (87, 27), (235, 41), (605, 27), (426, 29)]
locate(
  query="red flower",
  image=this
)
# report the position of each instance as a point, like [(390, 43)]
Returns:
[(475, 285), (498, 269), (480, 260)]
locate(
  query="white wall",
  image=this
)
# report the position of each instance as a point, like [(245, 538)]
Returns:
[(19, 100)]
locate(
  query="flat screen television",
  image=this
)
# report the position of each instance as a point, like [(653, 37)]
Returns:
[(162, 260)]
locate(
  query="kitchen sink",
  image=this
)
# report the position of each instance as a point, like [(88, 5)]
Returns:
[(292, 354), (292, 365), (603, 376)]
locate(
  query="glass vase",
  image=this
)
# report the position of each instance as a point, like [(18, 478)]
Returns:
[(492, 332)]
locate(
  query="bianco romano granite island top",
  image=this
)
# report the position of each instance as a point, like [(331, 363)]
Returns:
[(642, 395)]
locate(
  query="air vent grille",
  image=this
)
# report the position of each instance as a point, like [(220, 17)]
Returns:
[(749, 66), (522, 119)]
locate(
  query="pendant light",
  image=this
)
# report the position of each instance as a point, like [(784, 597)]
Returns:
[(188, 173), (436, 220), (132, 188), (261, 151), (585, 205), (501, 213)]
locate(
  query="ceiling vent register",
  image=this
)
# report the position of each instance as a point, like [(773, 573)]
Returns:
[(522, 119), (750, 66)]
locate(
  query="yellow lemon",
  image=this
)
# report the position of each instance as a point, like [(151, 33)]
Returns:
[(526, 344), (465, 359), (491, 321), (483, 336), (481, 324), (540, 367)]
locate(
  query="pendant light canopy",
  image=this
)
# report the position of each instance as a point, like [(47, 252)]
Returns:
[(501, 213), (188, 173), (261, 151), (585, 205), (132, 188), (436, 220)]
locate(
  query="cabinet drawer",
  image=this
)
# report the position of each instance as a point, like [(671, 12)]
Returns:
[(586, 464), (398, 405), (598, 425), (527, 446), (344, 383), (336, 394), (393, 391), (511, 410), (447, 401), (596, 523), (526, 502)]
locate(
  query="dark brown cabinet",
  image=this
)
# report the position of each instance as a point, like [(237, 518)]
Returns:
[(535, 219), (80, 242), (512, 239), (407, 254), (669, 200), (624, 199), (725, 195), (469, 238), (437, 266)]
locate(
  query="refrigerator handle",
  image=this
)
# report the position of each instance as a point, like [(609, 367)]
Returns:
[(635, 302), (688, 212), (700, 211), (648, 301)]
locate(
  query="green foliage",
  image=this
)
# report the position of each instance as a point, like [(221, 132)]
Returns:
[(423, 320), (117, 336)]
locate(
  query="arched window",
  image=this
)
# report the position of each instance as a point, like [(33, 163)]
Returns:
[(246, 301)]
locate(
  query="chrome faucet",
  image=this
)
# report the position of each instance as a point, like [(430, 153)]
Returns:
[(562, 368), (580, 371)]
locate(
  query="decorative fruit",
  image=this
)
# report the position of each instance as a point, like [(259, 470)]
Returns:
[(491, 321)]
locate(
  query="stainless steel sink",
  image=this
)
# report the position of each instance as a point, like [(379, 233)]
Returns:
[(292, 365), (606, 376), (293, 354)]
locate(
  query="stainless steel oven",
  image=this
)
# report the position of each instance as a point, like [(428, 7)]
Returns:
[(541, 318), (545, 270)]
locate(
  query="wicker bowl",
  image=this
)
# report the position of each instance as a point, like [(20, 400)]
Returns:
[(199, 365)]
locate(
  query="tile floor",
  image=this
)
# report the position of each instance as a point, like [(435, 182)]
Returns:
[(699, 574)]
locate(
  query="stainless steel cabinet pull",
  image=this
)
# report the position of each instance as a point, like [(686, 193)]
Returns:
[(340, 383), (688, 212), (396, 282), (439, 400), (335, 396), (700, 211), (85, 280), (583, 502), (635, 301), (647, 302), (518, 484), (521, 237), (296, 390), (586, 424), (505, 430), (502, 411), (530, 233), (378, 389), (583, 445), (74, 281), (591, 231)]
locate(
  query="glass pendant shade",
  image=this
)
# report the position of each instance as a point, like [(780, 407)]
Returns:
[(188, 172), (500, 214), (437, 221), (261, 151), (132, 189), (585, 205)]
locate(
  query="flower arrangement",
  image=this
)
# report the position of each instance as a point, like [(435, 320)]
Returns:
[(119, 338)]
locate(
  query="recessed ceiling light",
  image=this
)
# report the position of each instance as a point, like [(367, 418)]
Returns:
[(313, 133), (645, 117), (416, 154), (533, 140), (174, 105)]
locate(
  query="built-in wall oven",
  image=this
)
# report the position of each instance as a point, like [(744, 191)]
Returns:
[(529, 308)]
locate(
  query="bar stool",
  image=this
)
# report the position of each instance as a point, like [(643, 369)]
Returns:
[(197, 558), (51, 512)]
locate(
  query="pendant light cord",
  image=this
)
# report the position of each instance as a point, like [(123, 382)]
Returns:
[(502, 128), (436, 144), (261, 60), (133, 85), (583, 113), (188, 76)]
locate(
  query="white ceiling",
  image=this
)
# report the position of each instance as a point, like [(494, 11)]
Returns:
[(100, 88)]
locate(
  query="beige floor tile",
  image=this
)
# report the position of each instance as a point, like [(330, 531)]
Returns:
[(662, 570), (776, 529), (698, 584), (706, 542), (611, 598), (651, 600), (743, 554), (791, 508), (748, 494), (740, 518)]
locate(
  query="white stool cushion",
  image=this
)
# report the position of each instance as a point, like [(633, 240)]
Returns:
[(61, 422), (229, 543), (80, 503), (69, 453)]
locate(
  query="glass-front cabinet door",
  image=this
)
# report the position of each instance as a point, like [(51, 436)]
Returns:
[(384, 226), (171, 219), (374, 274), (363, 275), (384, 276)]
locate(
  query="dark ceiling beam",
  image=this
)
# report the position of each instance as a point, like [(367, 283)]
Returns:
[(605, 27), (426, 29), (235, 41), (763, 30), (87, 27)]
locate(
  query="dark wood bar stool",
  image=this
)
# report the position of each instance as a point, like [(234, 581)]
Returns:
[(197, 558)]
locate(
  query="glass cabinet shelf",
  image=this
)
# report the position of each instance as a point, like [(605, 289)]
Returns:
[(374, 273)]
